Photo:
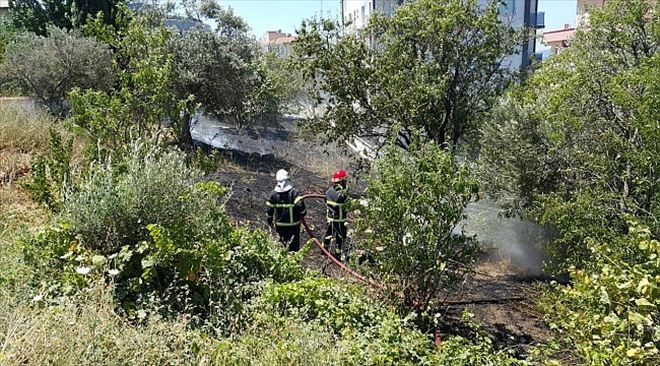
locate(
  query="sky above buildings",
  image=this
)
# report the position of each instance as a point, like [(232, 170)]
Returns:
[(265, 15)]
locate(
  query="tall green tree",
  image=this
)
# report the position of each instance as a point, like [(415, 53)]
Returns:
[(578, 143), (143, 103), (434, 65)]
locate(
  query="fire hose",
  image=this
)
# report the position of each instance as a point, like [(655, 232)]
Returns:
[(341, 265)]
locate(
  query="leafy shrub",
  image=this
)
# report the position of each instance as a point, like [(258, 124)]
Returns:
[(368, 333), (371, 334), (611, 316), (459, 351), (285, 341), (340, 307), (411, 221), (52, 173), (161, 238)]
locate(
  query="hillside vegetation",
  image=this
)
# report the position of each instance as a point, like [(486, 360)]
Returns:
[(117, 249)]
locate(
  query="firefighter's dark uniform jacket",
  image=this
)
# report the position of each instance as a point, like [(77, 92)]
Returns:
[(285, 208), (335, 199)]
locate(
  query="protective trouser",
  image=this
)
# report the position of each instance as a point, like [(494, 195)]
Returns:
[(289, 235), (338, 231)]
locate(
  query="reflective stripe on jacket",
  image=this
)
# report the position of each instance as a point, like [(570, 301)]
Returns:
[(285, 208), (335, 200)]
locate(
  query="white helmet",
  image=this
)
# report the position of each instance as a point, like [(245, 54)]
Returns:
[(282, 175)]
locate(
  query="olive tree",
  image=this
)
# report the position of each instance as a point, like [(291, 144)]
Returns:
[(223, 71), (411, 221), (434, 65), (49, 67)]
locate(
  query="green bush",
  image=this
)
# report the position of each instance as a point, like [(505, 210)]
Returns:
[(612, 316), (161, 238), (115, 203), (340, 307), (52, 173), (459, 351), (415, 202), (284, 341), (370, 333)]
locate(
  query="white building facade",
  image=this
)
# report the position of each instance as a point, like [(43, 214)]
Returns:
[(519, 13)]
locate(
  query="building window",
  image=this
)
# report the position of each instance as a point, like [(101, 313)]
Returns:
[(364, 18), (508, 7)]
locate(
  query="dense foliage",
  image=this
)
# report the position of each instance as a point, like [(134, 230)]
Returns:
[(143, 104), (160, 237), (37, 15), (132, 258), (434, 66), (223, 73), (411, 220), (612, 315), (576, 148), (578, 143)]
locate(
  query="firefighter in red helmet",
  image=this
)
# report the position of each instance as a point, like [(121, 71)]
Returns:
[(335, 199)]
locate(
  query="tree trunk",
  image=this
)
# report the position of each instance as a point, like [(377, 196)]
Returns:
[(185, 136)]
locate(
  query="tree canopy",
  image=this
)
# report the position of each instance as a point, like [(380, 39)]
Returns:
[(49, 67), (36, 15), (577, 145), (434, 65)]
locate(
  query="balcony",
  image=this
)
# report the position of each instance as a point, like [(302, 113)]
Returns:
[(537, 20)]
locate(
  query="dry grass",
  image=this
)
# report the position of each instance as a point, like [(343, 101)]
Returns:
[(317, 157), (24, 134), (86, 331), (24, 129)]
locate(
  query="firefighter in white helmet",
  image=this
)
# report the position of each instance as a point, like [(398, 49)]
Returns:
[(286, 209)]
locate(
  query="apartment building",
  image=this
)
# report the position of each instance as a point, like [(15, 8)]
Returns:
[(278, 42), (558, 39), (561, 38), (519, 13)]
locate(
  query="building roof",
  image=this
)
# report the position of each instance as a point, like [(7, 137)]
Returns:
[(559, 35), (4, 4), (284, 40)]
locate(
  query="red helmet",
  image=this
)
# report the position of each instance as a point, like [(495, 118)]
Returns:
[(339, 175)]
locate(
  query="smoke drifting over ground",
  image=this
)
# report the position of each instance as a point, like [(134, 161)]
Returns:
[(507, 239)]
